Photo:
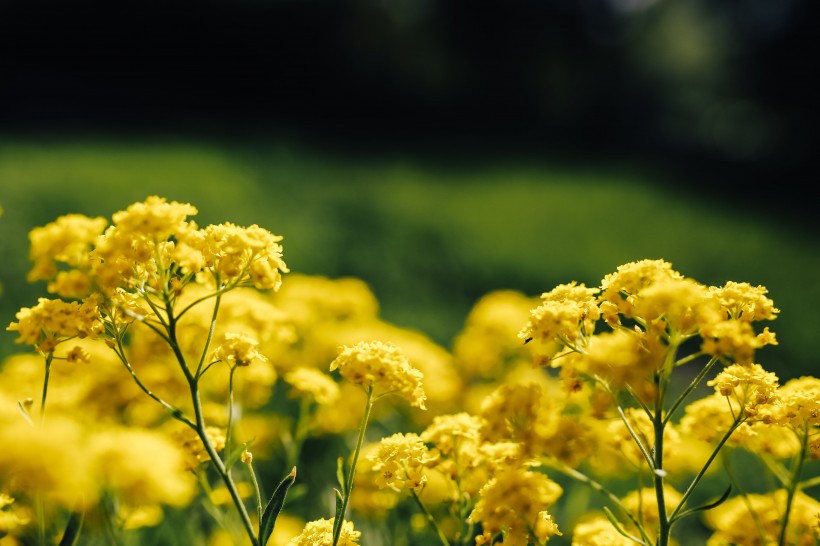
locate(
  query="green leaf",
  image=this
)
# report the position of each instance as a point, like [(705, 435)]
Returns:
[(274, 506), (339, 518), (24, 412), (340, 474), (72, 529), (705, 507)]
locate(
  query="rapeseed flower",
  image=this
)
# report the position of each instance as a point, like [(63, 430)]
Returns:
[(320, 533), (382, 367)]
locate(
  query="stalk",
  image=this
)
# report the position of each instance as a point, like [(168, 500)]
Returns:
[(337, 523), (793, 482)]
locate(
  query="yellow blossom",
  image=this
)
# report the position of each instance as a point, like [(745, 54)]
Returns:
[(735, 339), (193, 447), (238, 350), (750, 385), (143, 467), (238, 253), (400, 462), (619, 288), (320, 533), (740, 300), (67, 240), (489, 342), (383, 367), (567, 313), (756, 520), (798, 403), (598, 531), (514, 500), (313, 383), (51, 322)]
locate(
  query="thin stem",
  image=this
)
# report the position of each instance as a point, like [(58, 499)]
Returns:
[(657, 476), (690, 388), (256, 492), (210, 336), (49, 359), (229, 428), (338, 522), (176, 413), (622, 414), (220, 466), (597, 486), (793, 482), (430, 519), (738, 421)]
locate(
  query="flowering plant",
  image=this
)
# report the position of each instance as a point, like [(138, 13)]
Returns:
[(189, 382)]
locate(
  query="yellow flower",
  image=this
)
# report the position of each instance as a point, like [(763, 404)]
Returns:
[(567, 313), (193, 447), (750, 385), (237, 254), (622, 357), (313, 383), (155, 217), (449, 433), (142, 466), (400, 462), (320, 533), (741, 520), (598, 531), (736, 339), (489, 342), (644, 503), (619, 288), (67, 240), (798, 403), (514, 500), (51, 322), (238, 350), (740, 300), (383, 367)]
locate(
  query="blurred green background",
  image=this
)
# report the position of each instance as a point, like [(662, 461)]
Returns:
[(429, 236)]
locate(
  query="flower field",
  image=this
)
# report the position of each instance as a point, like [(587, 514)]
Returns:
[(180, 381)]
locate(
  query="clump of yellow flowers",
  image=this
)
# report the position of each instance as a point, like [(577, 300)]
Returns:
[(178, 380)]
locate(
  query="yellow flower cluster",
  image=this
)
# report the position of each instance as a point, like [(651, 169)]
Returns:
[(514, 501), (51, 322), (755, 520), (382, 367), (320, 533), (238, 350), (400, 461), (567, 313), (313, 383), (598, 531)]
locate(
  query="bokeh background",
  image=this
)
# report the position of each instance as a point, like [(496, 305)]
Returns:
[(437, 149)]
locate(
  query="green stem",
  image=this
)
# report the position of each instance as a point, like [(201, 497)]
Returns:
[(229, 428), (658, 474), (220, 466), (338, 522), (175, 412), (738, 421), (597, 486), (210, 336), (695, 382), (257, 492), (793, 482), (49, 359), (430, 519)]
